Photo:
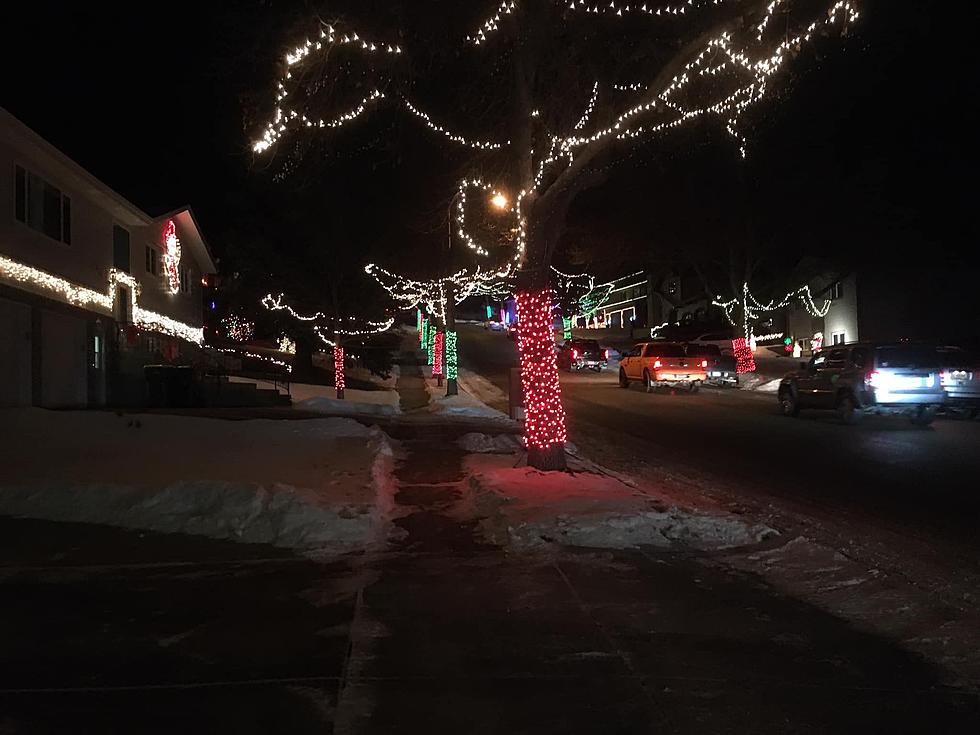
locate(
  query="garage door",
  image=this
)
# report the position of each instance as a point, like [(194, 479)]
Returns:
[(64, 370), (15, 354)]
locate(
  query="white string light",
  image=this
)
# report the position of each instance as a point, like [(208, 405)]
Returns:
[(491, 24), (752, 307), (456, 138), (339, 324), (83, 297)]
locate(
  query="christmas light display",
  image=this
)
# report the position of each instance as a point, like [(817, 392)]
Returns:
[(744, 360), (254, 356), (238, 328), (566, 327), (544, 423), (287, 345), (338, 370), (430, 345), (171, 256), (340, 326), (752, 308), (418, 323), (437, 355), (52, 286), (740, 62), (450, 349), (424, 334)]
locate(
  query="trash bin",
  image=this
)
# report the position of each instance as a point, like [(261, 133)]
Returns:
[(169, 386)]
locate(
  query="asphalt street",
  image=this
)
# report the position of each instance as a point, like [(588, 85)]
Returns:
[(918, 484)]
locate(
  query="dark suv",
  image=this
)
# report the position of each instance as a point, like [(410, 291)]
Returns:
[(862, 378), (579, 354)]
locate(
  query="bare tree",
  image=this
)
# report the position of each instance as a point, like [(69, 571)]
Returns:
[(566, 86)]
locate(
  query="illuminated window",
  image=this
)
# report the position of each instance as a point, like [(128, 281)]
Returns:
[(41, 206)]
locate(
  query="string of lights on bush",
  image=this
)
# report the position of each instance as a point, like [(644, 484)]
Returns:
[(339, 382), (238, 328)]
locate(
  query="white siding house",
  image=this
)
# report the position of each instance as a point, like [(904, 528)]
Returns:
[(89, 290)]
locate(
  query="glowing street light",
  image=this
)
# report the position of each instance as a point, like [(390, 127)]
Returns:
[(499, 201)]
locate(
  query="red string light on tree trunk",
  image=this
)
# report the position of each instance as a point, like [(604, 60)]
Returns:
[(544, 415), (744, 361), (338, 370), (437, 355)]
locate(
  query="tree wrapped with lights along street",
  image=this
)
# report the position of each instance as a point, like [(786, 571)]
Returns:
[(638, 72), (331, 331)]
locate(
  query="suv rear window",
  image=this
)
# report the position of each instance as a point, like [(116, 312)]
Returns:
[(704, 350), (908, 356), (585, 344), (664, 350)]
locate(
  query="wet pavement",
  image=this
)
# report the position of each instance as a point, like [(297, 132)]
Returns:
[(108, 631)]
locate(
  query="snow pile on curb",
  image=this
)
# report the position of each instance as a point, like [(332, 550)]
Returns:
[(297, 484), (353, 404), (462, 404), (523, 508)]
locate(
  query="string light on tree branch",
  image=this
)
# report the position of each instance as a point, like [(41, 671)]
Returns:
[(490, 25), (451, 365), (339, 382), (437, 355)]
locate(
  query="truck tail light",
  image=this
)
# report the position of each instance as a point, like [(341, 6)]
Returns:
[(605, 354), (704, 363), (874, 379), (574, 354), (656, 364)]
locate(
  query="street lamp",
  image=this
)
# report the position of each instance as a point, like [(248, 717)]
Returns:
[(499, 201)]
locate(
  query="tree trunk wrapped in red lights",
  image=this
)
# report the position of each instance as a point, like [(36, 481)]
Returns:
[(437, 357), (744, 361), (338, 370), (544, 415)]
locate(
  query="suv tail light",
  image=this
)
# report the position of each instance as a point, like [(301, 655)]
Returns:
[(704, 363), (874, 379), (656, 364), (574, 354)]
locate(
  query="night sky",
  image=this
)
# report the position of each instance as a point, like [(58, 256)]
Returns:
[(865, 153)]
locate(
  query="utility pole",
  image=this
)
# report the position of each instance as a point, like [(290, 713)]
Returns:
[(449, 339)]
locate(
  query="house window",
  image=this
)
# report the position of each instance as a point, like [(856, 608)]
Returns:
[(41, 206), (96, 352), (120, 248), (152, 260), (185, 280), (837, 338), (837, 291)]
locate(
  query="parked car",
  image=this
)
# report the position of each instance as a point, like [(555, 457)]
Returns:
[(660, 364), (960, 378), (495, 326), (722, 340), (512, 330), (720, 369), (861, 378), (582, 354)]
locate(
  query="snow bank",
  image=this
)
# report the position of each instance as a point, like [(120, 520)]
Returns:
[(354, 403), (463, 404), (298, 484), (524, 508)]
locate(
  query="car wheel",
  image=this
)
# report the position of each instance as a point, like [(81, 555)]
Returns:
[(848, 410), (788, 405), (623, 380), (647, 383), (923, 416)]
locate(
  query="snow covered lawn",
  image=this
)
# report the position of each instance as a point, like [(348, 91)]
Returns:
[(522, 507), (289, 483), (323, 399)]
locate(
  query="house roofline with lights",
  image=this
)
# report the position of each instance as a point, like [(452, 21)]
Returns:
[(81, 263)]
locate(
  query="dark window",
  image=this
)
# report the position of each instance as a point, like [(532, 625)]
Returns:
[(585, 344), (664, 349), (185, 280), (41, 206), (152, 260), (120, 248), (66, 220), (837, 291), (908, 356), (20, 193)]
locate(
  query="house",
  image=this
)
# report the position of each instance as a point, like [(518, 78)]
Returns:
[(92, 288)]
